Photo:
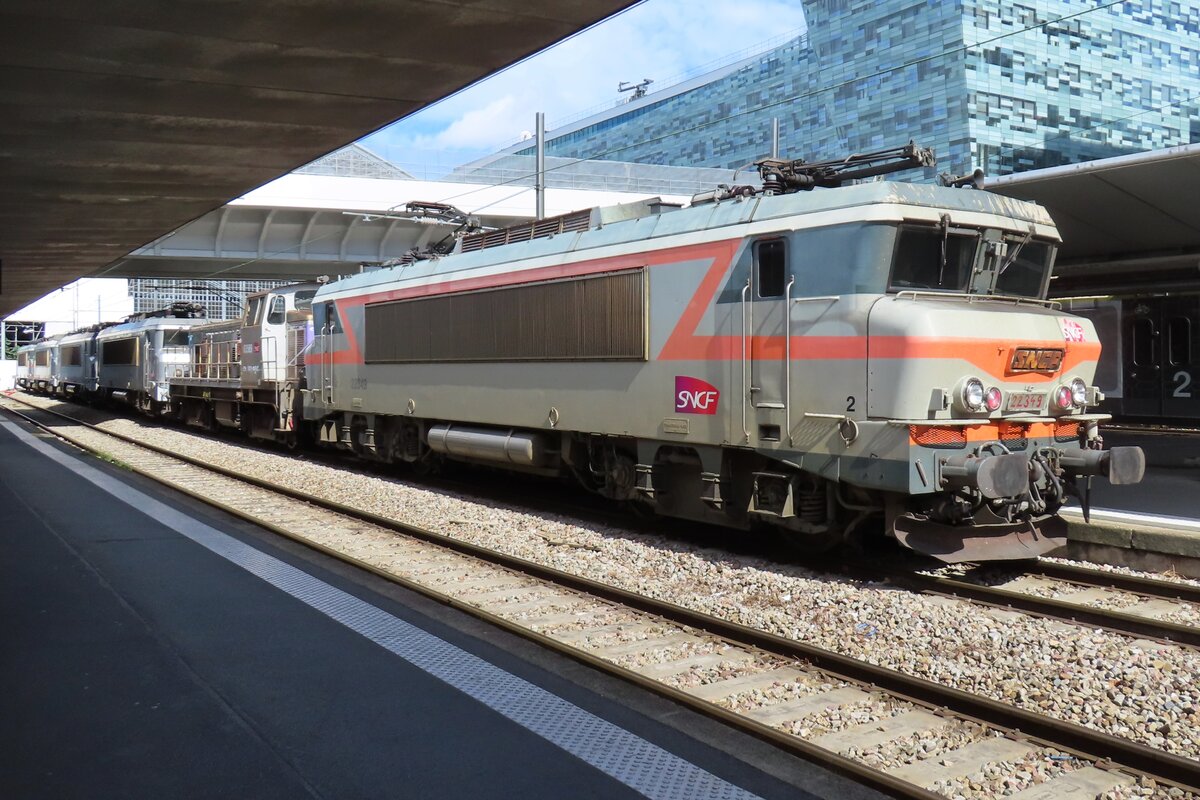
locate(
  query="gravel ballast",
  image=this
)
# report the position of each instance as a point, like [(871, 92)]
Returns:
[(1143, 691)]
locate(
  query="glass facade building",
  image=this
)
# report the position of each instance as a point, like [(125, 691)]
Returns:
[(225, 299), (1003, 86)]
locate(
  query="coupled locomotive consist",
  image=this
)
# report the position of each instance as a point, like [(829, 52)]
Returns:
[(877, 355), (130, 362), (876, 358)]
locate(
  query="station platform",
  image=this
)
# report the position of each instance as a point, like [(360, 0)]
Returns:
[(154, 647)]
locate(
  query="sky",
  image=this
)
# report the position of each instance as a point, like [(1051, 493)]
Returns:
[(665, 40)]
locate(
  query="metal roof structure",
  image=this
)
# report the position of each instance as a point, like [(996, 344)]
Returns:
[(304, 225), (125, 120), (1129, 222)]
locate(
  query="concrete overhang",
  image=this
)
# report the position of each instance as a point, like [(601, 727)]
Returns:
[(305, 226), (123, 121), (1128, 223)]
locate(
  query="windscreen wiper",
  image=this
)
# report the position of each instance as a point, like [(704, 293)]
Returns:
[(1008, 262), (945, 239)]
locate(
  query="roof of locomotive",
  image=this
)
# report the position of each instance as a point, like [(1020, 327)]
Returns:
[(48, 342), (710, 216), (151, 324), (77, 336)]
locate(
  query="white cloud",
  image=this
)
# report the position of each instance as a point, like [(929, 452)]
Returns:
[(481, 127), (660, 39)]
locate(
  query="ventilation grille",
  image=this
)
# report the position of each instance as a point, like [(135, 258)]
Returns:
[(295, 347), (1013, 437), (1066, 431), (937, 437), (537, 229), (596, 318)]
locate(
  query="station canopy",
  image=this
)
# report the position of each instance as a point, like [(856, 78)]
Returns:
[(1129, 223), (124, 120)]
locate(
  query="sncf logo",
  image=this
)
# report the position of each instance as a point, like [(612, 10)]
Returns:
[(1073, 331), (694, 396)]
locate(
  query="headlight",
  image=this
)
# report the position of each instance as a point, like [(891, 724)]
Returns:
[(1064, 398), (972, 394), (1079, 392), (993, 399)]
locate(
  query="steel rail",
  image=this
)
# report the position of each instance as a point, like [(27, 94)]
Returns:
[(1114, 621), (1077, 739), (1149, 429), (1148, 587), (859, 772)]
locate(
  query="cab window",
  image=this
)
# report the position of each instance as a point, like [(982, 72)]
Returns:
[(325, 318), (254, 310), (918, 262), (177, 338), (304, 299), (1025, 274), (278, 311), (770, 259)]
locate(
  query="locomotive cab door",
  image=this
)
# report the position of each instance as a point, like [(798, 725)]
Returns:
[(770, 286), (251, 342), (328, 336), (1162, 342), (273, 338)]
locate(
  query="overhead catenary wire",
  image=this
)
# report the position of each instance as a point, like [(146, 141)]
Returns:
[(966, 48), (815, 92)]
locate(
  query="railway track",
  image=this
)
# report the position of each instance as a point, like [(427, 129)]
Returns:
[(816, 703), (1125, 604), (1150, 429)]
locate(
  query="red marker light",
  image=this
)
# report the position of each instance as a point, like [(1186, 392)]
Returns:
[(1063, 398), (993, 399)]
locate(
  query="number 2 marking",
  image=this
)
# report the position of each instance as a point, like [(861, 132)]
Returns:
[(1183, 380), (850, 403)]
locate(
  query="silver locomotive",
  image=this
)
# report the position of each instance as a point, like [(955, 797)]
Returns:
[(874, 356)]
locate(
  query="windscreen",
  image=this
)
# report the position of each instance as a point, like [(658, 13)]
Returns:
[(1024, 274), (304, 299), (919, 262), (175, 338)]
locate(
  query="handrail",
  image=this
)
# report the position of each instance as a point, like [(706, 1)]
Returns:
[(326, 364), (815, 298), (301, 352), (916, 294), (745, 390), (787, 357)]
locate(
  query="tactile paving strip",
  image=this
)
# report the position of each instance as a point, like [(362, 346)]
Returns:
[(624, 756)]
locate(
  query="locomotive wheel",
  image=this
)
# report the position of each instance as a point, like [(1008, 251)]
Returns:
[(643, 511), (807, 544)]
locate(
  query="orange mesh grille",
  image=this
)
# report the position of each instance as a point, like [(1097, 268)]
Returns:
[(1065, 431), (1013, 436), (937, 437)]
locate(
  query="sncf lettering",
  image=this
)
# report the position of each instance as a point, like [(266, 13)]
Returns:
[(695, 396), (700, 401)]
